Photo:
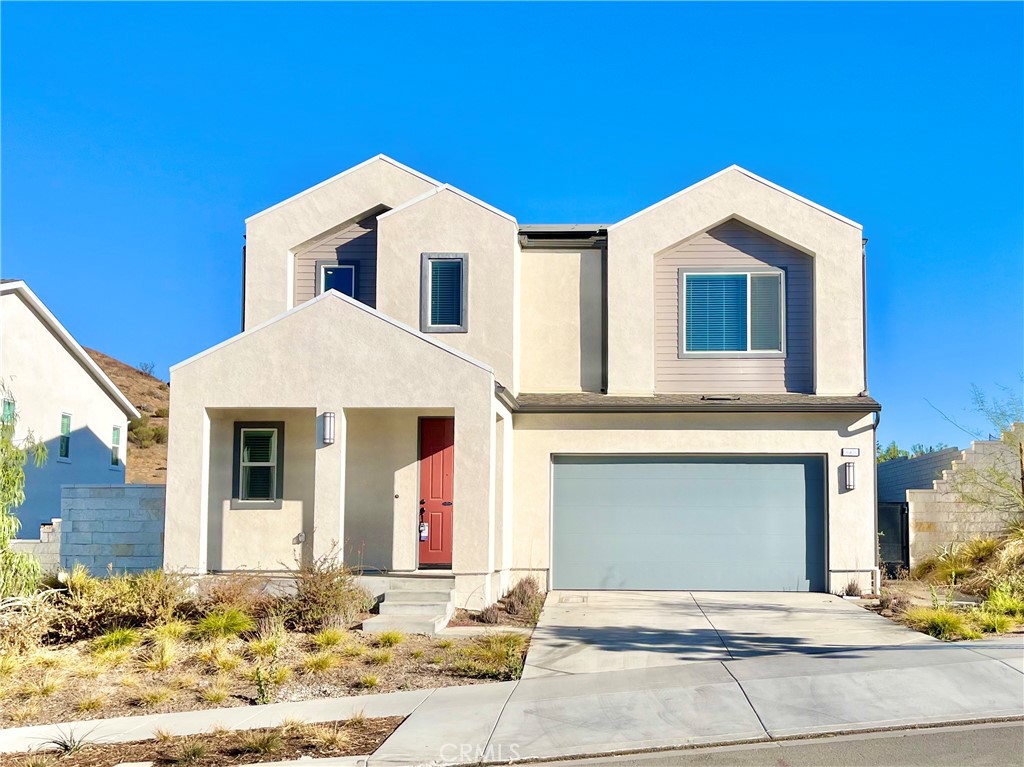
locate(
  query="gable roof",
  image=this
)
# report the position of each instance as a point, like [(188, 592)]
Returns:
[(68, 341), (353, 169), (332, 295), (748, 174), (454, 190)]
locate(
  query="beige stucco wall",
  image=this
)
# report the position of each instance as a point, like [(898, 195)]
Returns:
[(379, 365), (851, 515), (242, 536), (47, 380), (448, 222), (835, 245), (562, 331), (275, 235)]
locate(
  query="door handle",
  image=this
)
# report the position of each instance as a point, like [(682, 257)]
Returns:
[(447, 503)]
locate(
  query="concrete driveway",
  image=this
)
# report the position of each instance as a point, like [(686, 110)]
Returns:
[(582, 632)]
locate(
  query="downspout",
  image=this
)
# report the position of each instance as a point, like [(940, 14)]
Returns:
[(243, 285), (877, 416), (864, 307), (876, 419)]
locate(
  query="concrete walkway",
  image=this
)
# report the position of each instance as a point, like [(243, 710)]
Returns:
[(774, 667)]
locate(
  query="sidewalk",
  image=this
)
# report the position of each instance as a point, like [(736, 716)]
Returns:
[(751, 699)]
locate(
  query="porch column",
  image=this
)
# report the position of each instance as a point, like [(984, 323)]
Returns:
[(329, 486), (186, 510)]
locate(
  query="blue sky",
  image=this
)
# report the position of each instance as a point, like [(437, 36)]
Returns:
[(137, 137)]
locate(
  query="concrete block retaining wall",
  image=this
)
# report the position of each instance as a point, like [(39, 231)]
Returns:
[(117, 525), (46, 547), (938, 518)]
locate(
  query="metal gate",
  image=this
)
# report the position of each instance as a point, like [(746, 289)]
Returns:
[(894, 537)]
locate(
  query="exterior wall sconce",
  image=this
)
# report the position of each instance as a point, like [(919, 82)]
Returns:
[(850, 477), (329, 419)]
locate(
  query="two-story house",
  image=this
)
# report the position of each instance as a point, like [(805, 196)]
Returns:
[(673, 401)]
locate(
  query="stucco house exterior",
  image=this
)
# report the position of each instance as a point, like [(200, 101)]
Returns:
[(677, 400), (63, 397)]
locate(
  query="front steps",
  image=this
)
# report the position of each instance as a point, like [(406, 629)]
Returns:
[(419, 604)]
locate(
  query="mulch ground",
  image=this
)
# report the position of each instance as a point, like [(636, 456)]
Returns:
[(225, 748), (472, 618)]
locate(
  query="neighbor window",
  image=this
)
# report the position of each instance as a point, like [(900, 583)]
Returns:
[(443, 293), (8, 414), (115, 447), (64, 448), (732, 313), (339, 277), (259, 471)]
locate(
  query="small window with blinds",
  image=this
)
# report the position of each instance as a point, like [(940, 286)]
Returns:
[(259, 471), (732, 314), (443, 293)]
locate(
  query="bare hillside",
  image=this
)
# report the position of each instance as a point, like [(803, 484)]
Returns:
[(147, 450)]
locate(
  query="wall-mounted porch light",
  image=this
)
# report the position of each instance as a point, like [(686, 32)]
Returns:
[(850, 477), (329, 428)]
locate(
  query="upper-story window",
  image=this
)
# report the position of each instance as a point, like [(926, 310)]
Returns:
[(727, 314), (444, 288), (8, 411), (332, 275), (64, 446)]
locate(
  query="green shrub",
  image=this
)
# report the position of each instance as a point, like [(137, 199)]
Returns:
[(160, 435), (116, 639), (369, 681), (162, 412), (992, 623), (941, 623), (327, 638), (171, 630), (1003, 600), (326, 595), (389, 638), (140, 433), (224, 624)]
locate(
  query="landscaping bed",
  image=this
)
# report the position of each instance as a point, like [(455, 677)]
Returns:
[(93, 648), (520, 607), (292, 740)]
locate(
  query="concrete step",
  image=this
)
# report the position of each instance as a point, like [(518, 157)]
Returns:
[(439, 596), (407, 624), (391, 607), (421, 583)]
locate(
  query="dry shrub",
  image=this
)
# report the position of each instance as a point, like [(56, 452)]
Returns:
[(248, 592), (525, 599), (24, 622), (490, 614), (89, 606), (897, 601), (327, 594)]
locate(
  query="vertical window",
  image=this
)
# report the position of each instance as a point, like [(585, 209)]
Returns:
[(8, 413), (115, 447), (740, 313), (444, 293), (64, 449), (258, 467), (339, 277)]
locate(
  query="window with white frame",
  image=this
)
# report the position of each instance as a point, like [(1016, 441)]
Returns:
[(444, 290), (736, 313), (8, 412), (64, 445), (258, 464), (115, 448), (336, 276)]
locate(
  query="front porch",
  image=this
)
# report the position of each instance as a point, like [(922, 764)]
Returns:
[(276, 463)]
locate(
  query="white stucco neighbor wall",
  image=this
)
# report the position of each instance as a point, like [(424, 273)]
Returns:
[(851, 515), (277, 233), (834, 242), (43, 368)]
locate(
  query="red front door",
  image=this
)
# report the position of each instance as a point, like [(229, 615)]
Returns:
[(437, 470)]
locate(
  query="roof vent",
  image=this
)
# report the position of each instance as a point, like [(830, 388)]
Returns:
[(719, 398)]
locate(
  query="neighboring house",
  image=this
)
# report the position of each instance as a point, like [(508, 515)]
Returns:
[(673, 401), (66, 401)]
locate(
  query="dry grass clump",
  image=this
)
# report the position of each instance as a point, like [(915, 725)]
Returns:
[(380, 657), (215, 693), (320, 662), (90, 703), (328, 638), (224, 623), (389, 638), (260, 742), (977, 564), (941, 623)]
